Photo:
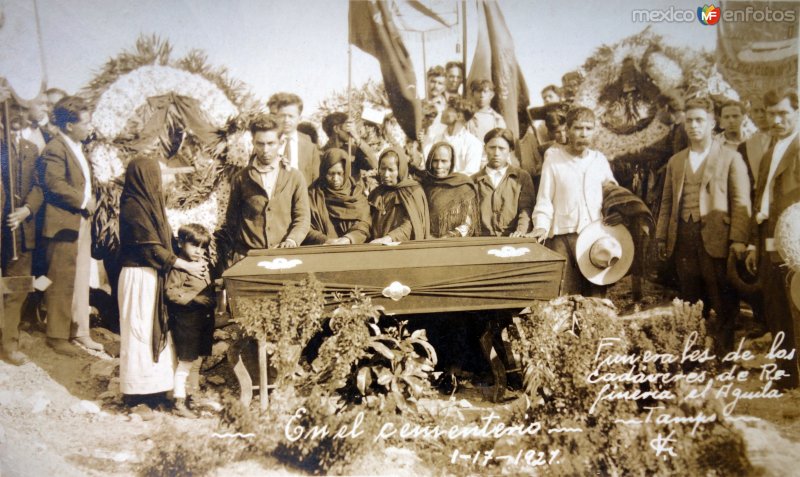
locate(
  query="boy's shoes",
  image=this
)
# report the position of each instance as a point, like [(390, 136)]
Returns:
[(181, 409), (62, 346), (89, 343)]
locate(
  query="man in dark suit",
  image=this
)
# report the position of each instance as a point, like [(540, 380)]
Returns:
[(23, 155), (704, 214), (298, 150), (38, 130), (778, 187), (69, 204)]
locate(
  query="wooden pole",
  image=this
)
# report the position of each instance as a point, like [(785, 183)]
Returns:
[(11, 175), (263, 379), (424, 64), (349, 98), (464, 85)]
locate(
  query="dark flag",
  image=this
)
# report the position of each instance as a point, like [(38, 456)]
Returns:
[(373, 31), (495, 59)]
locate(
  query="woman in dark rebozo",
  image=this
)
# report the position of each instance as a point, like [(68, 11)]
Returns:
[(452, 200), (339, 209), (399, 207), (147, 357)]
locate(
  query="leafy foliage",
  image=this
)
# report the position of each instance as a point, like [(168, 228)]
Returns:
[(400, 366), (367, 360), (287, 323), (559, 344)]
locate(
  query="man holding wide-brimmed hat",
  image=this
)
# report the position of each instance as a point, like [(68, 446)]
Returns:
[(570, 198), (704, 216)]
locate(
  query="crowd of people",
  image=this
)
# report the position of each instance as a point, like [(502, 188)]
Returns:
[(468, 175)]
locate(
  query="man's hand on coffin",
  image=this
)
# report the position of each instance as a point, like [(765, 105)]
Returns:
[(288, 243), (539, 234), (517, 233), (338, 241), (383, 240)]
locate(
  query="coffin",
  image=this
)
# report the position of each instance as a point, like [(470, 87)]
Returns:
[(423, 276)]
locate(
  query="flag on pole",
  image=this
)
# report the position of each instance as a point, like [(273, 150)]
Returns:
[(495, 60), (21, 62), (373, 31)]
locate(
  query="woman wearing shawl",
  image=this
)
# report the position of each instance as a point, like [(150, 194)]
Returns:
[(146, 356), (399, 207), (452, 199), (339, 207)]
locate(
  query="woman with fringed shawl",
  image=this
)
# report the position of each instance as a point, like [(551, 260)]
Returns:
[(452, 200), (399, 206), (147, 358), (339, 209)]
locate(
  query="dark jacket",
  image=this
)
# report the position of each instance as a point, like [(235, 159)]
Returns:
[(724, 200), (255, 221), (63, 191), (307, 158), (508, 208), (27, 190), (785, 192)]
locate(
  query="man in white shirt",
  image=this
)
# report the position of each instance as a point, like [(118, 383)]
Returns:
[(436, 96), (731, 118), (704, 216), (38, 131), (778, 187), (298, 150), (485, 118), (455, 75), (468, 149), (754, 148), (570, 197), (69, 204)]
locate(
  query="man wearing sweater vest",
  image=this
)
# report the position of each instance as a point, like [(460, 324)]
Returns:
[(704, 215)]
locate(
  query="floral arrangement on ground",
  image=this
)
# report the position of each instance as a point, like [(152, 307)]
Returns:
[(622, 83), (182, 111)]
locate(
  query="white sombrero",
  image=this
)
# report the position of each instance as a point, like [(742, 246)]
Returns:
[(794, 289), (604, 253)]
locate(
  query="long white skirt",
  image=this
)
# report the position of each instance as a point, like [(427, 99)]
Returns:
[(138, 374)]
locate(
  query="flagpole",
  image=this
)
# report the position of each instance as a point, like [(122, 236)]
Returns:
[(349, 97), (464, 47), (424, 63), (11, 176), (41, 45)]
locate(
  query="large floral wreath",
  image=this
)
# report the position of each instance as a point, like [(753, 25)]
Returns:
[(622, 82), (182, 112)]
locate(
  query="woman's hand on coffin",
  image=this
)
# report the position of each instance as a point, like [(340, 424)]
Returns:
[(288, 243)]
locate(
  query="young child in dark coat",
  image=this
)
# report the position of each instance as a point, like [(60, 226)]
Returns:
[(191, 313)]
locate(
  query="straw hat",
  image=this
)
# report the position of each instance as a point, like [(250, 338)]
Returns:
[(604, 253), (794, 289)]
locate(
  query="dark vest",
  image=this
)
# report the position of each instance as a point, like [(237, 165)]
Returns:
[(690, 199)]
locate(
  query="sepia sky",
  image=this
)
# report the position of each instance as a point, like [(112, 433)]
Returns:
[(301, 45)]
